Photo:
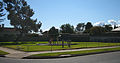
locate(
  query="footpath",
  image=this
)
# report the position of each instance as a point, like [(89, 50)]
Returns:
[(20, 54)]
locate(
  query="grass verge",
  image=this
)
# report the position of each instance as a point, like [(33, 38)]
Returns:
[(73, 53), (3, 53), (32, 46)]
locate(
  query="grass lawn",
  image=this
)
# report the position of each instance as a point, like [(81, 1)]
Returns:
[(77, 52), (3, 53), (31, 46)]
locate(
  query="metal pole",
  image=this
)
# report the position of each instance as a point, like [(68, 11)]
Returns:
[(27, 47), (62, 44), (51, 44), (51, 47), (69, 44)]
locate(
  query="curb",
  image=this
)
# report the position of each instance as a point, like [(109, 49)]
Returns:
[(2, 55), (65, 56)]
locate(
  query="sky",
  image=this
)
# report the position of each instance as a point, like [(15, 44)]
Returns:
[(58, 12)]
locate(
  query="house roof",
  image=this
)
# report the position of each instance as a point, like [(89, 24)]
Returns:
[(8, 29), (116, 29)]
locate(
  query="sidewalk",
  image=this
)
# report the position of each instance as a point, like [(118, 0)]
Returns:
[(21, 54), (14, 53)]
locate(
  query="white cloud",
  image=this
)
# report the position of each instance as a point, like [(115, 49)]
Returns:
[(49, 28), (100, 23), (57, 27), (46, 29), (119, 21), (113, 22), (118, 25)]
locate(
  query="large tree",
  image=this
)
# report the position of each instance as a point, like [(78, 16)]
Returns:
[(1, 11), (67, 28), (53, 33), (80, 27), (97, 30), (108, 27), (20, 15), (88, 26)]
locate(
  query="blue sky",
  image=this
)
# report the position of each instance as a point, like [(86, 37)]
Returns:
[(58, 12)]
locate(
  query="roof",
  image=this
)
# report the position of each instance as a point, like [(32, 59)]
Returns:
[(8, 29), (116, 29)]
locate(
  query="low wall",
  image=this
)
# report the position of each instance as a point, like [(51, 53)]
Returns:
[(104, 39), (75, 38)]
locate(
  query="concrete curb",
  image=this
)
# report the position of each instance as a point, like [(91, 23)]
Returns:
[(64, 56), (2, 55)]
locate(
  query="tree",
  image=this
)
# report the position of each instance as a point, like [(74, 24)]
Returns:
[(20, 15), (45, 33), (87, 31), (80, 27), (53, 33), (67, 28), (108, 27), (88, 26), (1, 11), (97, 30)]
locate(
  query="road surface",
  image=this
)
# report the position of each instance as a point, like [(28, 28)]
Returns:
[(113, 57)]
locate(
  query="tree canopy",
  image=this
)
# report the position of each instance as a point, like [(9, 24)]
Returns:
[(20, 15), (1, 11), (88, 25), (97, 30), (67, 28), (53, 32), (108, 27), (80, 27)]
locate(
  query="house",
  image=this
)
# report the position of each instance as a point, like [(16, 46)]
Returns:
[(113, 36), (7, 31), (116, 30)]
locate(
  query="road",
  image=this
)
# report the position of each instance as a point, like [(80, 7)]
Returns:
[(113, 57)]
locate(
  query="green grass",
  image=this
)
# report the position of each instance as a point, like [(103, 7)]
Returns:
[(31, 46), (77, 52), (3, 53)]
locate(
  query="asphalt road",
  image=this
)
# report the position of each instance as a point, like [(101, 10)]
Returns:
[(113, 57)]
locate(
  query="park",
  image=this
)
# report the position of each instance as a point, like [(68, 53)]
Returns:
[(23, 35), (35, 46)]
